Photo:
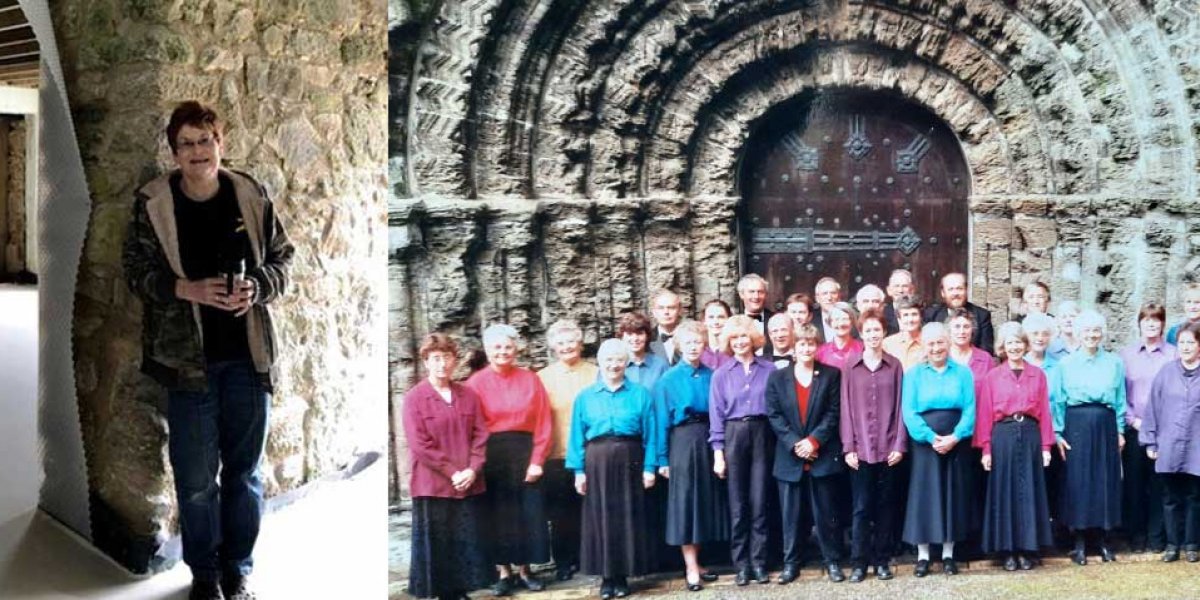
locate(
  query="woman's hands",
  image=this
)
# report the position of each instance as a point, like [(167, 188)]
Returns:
[(581, 484), (533, 473), (463, 480), (719, 463), (944, 443), (986, 461), (647, 480)]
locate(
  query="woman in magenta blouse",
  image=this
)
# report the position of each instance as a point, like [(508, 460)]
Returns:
[(835, 352), (447, 439), (1014, 428)]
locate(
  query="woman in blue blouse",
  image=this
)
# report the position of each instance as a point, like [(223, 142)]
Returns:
[(1089, 420), (697, 501), (938, 406), (613, 439)]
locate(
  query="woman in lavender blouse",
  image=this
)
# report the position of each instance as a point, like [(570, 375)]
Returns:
[(1142, 493), (743, 444), (715, 313), (1171, 433)]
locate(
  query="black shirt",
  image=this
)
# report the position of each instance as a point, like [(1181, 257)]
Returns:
[(212, 238)]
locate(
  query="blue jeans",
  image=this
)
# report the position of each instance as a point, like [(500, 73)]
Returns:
[(219, 433)]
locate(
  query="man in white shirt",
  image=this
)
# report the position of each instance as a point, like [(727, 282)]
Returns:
[(666, 310)]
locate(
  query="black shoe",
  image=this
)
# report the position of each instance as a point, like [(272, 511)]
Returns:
[(1156, 548), (236, 587), (1010, 563), (1078, 556), (1107, 554), (1193, 556), (857, 574), (709, 576), (835, 572), (621, 588), (949, 567), (922, 568), (564, 573), (606, 589), (1025, 562), (761, 576), (743, 577), (883, 572), (205, 590), (789, 574), (1171, 554), (530, 583), (692, 586)]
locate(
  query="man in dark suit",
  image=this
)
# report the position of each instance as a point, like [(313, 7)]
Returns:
[(752, 289), (803, 409), (900, 284), (666, 310), (954, 295), (828, 292), (782, 333)]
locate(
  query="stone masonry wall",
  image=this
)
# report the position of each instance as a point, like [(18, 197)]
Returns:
[(14, 251), (531, 144), (301, 87)]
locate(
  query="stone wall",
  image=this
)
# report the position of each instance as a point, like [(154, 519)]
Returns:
[(301, 87), (14, 250), (551, 140)]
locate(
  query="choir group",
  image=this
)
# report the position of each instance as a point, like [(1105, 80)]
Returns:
[(888, 421)]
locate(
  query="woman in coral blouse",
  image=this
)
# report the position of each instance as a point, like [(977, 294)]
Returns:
[(517, 410)]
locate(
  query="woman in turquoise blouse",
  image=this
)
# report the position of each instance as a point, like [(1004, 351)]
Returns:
[(697, 500), (1089, 422), (938, 406), (613, 451)]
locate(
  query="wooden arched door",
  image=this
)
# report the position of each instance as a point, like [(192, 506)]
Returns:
[(852, 186)]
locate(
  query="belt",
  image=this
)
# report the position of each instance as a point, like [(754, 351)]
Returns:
[(1017, 418), (615, 438), (749, 418), (693, 418)]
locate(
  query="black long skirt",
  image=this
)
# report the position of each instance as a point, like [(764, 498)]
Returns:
[(447, 557), (1017, 516), (941, 491), (698, 501), (1091, 495), (615, 543), (516, 516)]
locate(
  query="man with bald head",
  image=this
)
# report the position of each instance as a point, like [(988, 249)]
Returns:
[(869, 297), (954, 295), (900, 285), (667, 310)]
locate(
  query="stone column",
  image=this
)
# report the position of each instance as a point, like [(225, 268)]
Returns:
[(302, 89)]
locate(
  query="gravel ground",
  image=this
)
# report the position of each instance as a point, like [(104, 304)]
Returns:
[(1133, 576)]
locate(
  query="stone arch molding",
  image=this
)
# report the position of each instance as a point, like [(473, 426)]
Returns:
[(614, 98)]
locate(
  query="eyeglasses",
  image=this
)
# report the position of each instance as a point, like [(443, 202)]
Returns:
[(189, 145)]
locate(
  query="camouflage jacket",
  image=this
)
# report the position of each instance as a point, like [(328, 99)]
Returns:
[(172, 348)]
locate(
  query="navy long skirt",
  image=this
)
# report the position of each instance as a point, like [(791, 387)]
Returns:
[(447, 556), (616, 542), (1017, 515), (941, 491), (516, 516), (1091, 495), (698, 501)]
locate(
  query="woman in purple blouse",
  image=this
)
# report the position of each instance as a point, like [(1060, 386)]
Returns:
[(447, 442), (715, 313), (743, 444), (1171, 433), (1142, 494)]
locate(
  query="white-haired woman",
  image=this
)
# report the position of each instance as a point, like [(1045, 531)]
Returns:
[(743, 444), (1015, 431), (938, 405), (1089, 420), (697, 500), (568, 375), (836, 351), (613, 452), (1039, 330), (517, 410), (1066, 342)]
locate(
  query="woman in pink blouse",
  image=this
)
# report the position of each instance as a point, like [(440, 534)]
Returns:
[(835, 352), (447, 437), (1015, 431)]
